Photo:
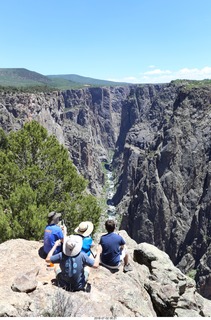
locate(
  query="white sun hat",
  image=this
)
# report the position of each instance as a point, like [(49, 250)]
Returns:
[(72, 245), (85, 228)]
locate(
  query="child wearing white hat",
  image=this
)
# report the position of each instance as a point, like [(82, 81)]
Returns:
[(85, 229)]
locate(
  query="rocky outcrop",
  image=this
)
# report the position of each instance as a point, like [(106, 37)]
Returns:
[(155, 287), (203, 274), (158, 137), (171, 292)]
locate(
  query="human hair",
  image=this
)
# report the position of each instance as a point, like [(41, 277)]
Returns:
[(110, 225)]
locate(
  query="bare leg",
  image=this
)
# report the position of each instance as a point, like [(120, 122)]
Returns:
[(86, 273), (57, 269), (126, 259), (127, 267)]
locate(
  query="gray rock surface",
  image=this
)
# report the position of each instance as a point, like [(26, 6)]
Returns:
[(153, 288), (26, 281), (172, 293)]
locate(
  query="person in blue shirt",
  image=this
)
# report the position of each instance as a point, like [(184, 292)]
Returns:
[(70, 273), (53, 232), (85, 229), (113, 251)]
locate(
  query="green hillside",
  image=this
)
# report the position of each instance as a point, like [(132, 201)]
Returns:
[(192, 83), (20, 78), (23, 78), (86, 80)]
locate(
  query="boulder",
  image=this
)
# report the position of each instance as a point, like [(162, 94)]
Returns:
[(172, 292), (26, 282)]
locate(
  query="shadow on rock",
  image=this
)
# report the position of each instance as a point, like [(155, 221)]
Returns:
[(42, 253), (111, 270)]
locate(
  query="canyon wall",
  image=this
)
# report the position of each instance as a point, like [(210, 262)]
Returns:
[(158, 137)]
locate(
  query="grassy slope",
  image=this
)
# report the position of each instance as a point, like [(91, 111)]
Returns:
[(23, 78), (86, 80)]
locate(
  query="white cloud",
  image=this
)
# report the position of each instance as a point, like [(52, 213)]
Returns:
[(206, 70), (187, 71), (164, 76), (195, 72)]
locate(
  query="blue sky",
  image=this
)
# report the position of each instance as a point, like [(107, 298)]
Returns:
[(139, 41)]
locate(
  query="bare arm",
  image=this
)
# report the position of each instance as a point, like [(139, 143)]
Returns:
[(50, 253), (64, 230), (97, 258)]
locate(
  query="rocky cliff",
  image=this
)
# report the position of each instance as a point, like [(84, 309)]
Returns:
[(86, 121), (158, 138), (164, 186), (154, 288)]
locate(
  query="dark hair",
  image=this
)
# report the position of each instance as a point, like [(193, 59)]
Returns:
[(110, 225)]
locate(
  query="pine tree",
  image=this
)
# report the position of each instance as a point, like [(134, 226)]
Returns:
[(36, 177)]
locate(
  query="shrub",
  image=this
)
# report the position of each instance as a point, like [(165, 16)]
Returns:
[(37, 176)]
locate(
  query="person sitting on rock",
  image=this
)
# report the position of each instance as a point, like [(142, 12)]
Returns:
[(70, 274), (85, 229), (112, 248), (53, 232)]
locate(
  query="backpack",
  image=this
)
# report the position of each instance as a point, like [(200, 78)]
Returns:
[(70, 267)]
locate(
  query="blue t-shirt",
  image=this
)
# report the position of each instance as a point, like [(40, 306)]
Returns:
[(86, 245), (111, 243), (75, 279), (51, 234)]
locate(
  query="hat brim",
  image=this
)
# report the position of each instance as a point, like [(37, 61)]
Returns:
[(55, 214), (88, 231), (54, 218), (78, 245), (51, 214)]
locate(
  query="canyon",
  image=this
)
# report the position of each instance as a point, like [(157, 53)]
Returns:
[(156, 139)]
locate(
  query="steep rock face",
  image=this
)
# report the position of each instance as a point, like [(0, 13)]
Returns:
[(91, 127), (86, 121), (164, 186), (160, 137)]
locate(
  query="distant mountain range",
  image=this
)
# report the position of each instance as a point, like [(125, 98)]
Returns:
[(23, 78)]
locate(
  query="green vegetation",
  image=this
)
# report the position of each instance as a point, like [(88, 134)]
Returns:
[(192, 274), (192, 83), (20, 79), (28, 89), (86, 81), (25, 80), (37, 176)]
